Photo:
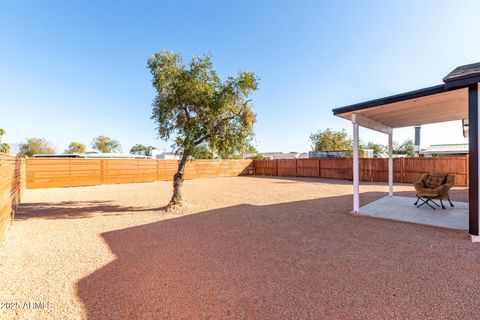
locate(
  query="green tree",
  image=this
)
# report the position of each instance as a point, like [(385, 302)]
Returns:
[(406, 147), (2, 133), (105, 144), (330, 140), (76, 148), (202, 151), (35, 146), (257, 156), (250, 149), (237, 151), (377, 148), (194, 106), (4, 148), (147, 150)]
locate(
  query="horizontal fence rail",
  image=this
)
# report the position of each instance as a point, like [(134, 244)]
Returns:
[(405, 170), (61, 172), (11, 186)]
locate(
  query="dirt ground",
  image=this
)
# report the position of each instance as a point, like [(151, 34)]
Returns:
[(252, 248)]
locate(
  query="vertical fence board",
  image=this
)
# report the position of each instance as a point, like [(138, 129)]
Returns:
[(11, 189), (307, 167), (287, 167), (61, 172), (405, 170), (265, 167)]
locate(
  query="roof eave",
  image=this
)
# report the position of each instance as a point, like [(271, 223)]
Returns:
[(461, 82), (392, 99)]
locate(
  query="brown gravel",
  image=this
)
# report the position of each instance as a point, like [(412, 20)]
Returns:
[(261, 248)]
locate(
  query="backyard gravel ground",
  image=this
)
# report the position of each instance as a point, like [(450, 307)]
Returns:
[(248, 248)]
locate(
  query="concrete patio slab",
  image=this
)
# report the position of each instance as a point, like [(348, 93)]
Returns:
[(402, 209)]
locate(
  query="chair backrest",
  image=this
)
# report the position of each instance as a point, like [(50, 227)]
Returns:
[(450, 179), (436, 179)]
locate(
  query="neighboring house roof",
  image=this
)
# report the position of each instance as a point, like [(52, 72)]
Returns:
[(92, 155), (279, 155), (459, 148)]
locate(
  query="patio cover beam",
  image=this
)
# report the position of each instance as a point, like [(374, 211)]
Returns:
[(359, 120), (371, 124)]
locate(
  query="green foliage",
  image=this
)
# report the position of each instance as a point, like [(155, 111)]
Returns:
[(4, 148), (330, 140), (230, 154), (237, 151), (140, 148), (2, 133), (202, 151), (76, 148), (193, 106), (258, 156), (105, 144), (250, 149), (35, 146), (407, 147), (376, 147)]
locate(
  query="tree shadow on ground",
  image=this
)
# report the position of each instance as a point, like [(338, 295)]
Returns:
[(303, 259), (75, 209), (88, 209)]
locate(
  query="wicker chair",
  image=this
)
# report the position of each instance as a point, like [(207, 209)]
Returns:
[(433, 186)]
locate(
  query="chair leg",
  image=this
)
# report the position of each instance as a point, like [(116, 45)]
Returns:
[(425, 202), (431, 200), (451, 204), (428, 204), (421, 204), (443, 207), (416, 202)]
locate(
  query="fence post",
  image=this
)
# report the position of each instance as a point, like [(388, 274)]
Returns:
[(296, 167), (102, 171), (319, 168), (276, 168), (69, 171), (468, 171), (402, 170)]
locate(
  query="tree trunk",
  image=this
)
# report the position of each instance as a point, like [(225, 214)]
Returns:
[(178, 182)]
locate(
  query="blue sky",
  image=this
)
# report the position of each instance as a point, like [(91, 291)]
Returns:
[(71, 70)]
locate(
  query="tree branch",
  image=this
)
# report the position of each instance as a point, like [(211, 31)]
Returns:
[(187, 112), (220, 122), (200, 140)]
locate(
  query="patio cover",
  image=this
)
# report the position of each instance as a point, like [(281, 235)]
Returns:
[(455, 99)]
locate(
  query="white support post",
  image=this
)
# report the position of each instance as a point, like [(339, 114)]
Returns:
[(356, 167), (390, 164)]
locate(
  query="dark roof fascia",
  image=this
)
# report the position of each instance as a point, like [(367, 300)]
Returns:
[(461, 82), (395, 98)]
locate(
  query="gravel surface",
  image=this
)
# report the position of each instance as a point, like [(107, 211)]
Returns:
[(249, 248)]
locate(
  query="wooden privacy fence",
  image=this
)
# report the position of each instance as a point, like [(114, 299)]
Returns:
[(61, 172), (11, 187), (405, 170)]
